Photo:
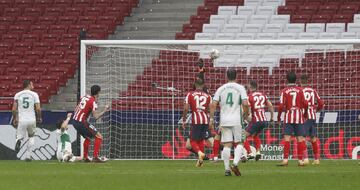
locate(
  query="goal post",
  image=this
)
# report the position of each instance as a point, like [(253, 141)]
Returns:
[(145, 83)]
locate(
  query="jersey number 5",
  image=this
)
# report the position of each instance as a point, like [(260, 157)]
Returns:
[(83, 102)]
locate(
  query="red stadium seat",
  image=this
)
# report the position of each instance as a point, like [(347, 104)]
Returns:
[(96, 28), (339, 18), (294, 2), (118, 12), (287, 10), (32, 11), (82, 3), (110, 21), (42, 3), (18, 29), (9, 93), (232, 2), (62, 46), (74, 11), (42, 46), (96, 36), (16, 71), (184, 36), (102, 3), (30, 37), (46, 20), (8, 79), (44, 63), (53, 11), (25, 20), (23, 3), (12, 12), (212, 3), (192, 28), (22, 46), (54, 54), (58, 29), (206, 10), (38, 29), (5, 46), (34, 54), (7, 3), (123, 3), (86, 20), (27, 62), (72, 54), (317, 18), (348, 9), (5, 20), (93, 11), (69, 37), (75, 29), (307, 10), (62, 3), (66, 20), (3, 29), (300, 18), (13, 54), (328, 9), (31, 76), (71, 64), (50, 37), (199, 19)]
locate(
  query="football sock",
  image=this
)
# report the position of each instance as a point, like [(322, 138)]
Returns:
[(225, 154), (238, 154), (257, 142), (300, 149), (286, 149), (201, 144), (305, 154), (195, 146), (29, 147), (97, 145), (86, 147), (315, 147), (247, 146), (216, 148)]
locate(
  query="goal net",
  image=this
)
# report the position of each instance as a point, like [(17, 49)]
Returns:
[(145, 82)]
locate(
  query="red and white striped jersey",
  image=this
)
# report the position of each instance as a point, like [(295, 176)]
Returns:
[(312, 97), (199, 102), (258, 102), (84, 108), (293, 101)]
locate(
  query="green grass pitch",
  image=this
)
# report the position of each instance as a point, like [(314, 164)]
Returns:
[(168, 174)]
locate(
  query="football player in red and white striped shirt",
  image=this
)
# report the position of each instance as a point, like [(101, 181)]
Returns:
[(258, 102), (293, 102), (82, 112), (198, 102), (315, 104)]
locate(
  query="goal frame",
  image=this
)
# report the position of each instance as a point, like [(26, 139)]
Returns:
[(139, 43)]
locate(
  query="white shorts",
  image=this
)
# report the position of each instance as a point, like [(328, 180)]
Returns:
[(66, 152), (231, 134), (24, 127)]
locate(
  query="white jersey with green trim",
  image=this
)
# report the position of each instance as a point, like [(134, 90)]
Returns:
[(26, 100), (64, 143), (230, 97)]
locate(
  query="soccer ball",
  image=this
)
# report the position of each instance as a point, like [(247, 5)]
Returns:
[(214, 54)]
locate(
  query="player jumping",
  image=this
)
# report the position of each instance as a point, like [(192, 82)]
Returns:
[(231, 97), (86, 106), (258, 101), (26, 112), (64, 150), (293, 102), (198, 101), (312, 97)]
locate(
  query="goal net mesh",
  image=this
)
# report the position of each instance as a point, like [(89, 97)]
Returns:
[(145, 85)]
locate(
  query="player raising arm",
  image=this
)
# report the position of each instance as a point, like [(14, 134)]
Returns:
[(312, 98), (258, 101), (231, 97), (293, 102), (82, 112), (198, 102), (64, 151), (26, 112)]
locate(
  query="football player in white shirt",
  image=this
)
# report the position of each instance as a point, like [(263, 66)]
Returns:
[(233, 101), (26, 112), (64, 150)]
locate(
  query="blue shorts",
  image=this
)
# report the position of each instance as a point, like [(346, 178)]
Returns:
[(199, 132), (84, 128), (255, 128), (294, 129), (187, 132), (310, 128)]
